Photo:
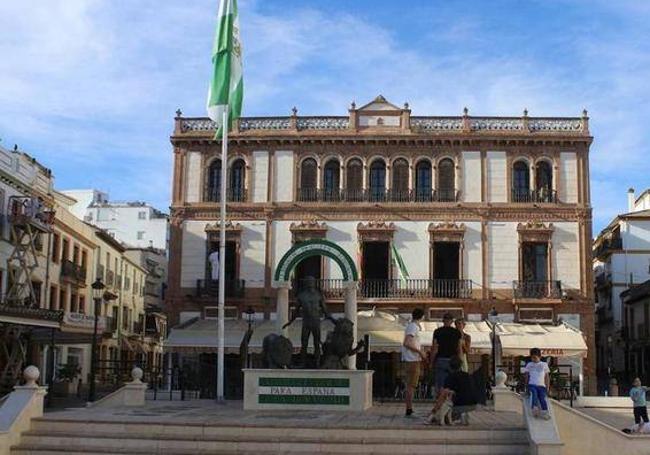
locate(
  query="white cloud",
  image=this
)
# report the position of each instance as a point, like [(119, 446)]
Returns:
[(97, 81)]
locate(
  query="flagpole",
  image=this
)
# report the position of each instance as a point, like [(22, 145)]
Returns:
[(222, 258)]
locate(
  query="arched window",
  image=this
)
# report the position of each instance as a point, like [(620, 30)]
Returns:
[(354, 180), (331, 180), (520, 182), (237, 181), (213, 182), (400, 181), (377, 180), (308, 177), (544, 182), (446, 180), (423, 181)]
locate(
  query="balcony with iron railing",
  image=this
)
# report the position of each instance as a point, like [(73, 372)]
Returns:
[(417, 289), (376, 195), (539, 196), (213, 194), (548, 289), (210, 288), (73, 273), (607, 246)]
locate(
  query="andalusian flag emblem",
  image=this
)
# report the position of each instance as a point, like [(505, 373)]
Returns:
[(401, 267), (226, 85)]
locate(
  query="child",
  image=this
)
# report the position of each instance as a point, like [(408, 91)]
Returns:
[(637, 393), (537, 379)]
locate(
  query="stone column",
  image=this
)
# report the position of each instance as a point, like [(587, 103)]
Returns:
[(351, 314), (282, 307)]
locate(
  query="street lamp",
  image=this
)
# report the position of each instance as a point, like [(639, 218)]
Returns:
[(98, 296), (493, 317)]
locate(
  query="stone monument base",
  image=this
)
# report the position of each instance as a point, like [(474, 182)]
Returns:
[(332, 390)]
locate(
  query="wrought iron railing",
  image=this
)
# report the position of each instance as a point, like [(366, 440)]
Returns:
[(233, 287), (73, 272), (541, 195), (549, 289), (376, 195), (394, 288), (213, 194)]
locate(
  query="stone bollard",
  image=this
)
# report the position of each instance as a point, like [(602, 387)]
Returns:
[(31, 375), (504, 398), (136, 375), (500, 379)]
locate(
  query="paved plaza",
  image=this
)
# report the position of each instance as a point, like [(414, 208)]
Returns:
[(209, 413)]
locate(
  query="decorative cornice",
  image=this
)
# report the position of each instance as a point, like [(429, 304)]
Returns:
[(535, 231), (230, 227), (535, 226), (376, 226), (447, 227), (308, 225)]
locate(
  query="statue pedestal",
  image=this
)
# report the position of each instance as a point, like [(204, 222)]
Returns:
[(331, 390)]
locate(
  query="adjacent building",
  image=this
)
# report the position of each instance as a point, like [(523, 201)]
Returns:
[(622, 262), (452, 214), (137, 224), (48, 260)]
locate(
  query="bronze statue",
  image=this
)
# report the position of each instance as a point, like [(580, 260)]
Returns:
[(312, 306), (276, 351), (338, 345)]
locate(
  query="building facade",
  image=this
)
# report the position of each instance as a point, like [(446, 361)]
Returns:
[(137, 224), (451, 214), (621, 262)]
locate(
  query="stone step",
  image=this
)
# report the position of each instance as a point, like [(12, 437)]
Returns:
[(285, 448), (266, 432), (57, 437)]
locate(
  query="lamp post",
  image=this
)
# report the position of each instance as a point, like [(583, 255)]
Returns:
[(98, 295), (250, 314), (493, 317)]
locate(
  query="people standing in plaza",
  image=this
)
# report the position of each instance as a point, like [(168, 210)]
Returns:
[(637, 394), (412, 355), (446, 344), (537, 380), (466, 343)]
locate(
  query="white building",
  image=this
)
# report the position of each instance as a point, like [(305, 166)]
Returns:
[(621, 260), (483, 212), (136, 224)]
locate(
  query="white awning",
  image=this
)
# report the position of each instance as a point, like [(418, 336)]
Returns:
[(553, 340), (386, 332)]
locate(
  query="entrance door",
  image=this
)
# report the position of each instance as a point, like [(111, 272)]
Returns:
[(375, 267), (446, 269)]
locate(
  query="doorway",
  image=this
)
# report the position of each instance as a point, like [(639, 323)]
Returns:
[(446, 269), (375, 269)]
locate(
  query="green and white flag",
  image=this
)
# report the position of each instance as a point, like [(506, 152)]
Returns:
[(226, 84), (401, 267)]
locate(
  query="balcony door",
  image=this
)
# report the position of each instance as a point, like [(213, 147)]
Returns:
[(446, 260), (375, 268), (534, 256), (446, 270), (230, 263)]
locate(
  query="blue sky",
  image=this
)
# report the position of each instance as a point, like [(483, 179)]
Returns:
[(89, 87)]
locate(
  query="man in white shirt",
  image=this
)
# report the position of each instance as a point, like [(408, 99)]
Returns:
[(412, 355)]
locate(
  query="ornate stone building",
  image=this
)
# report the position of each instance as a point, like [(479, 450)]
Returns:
[(458, 214)]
